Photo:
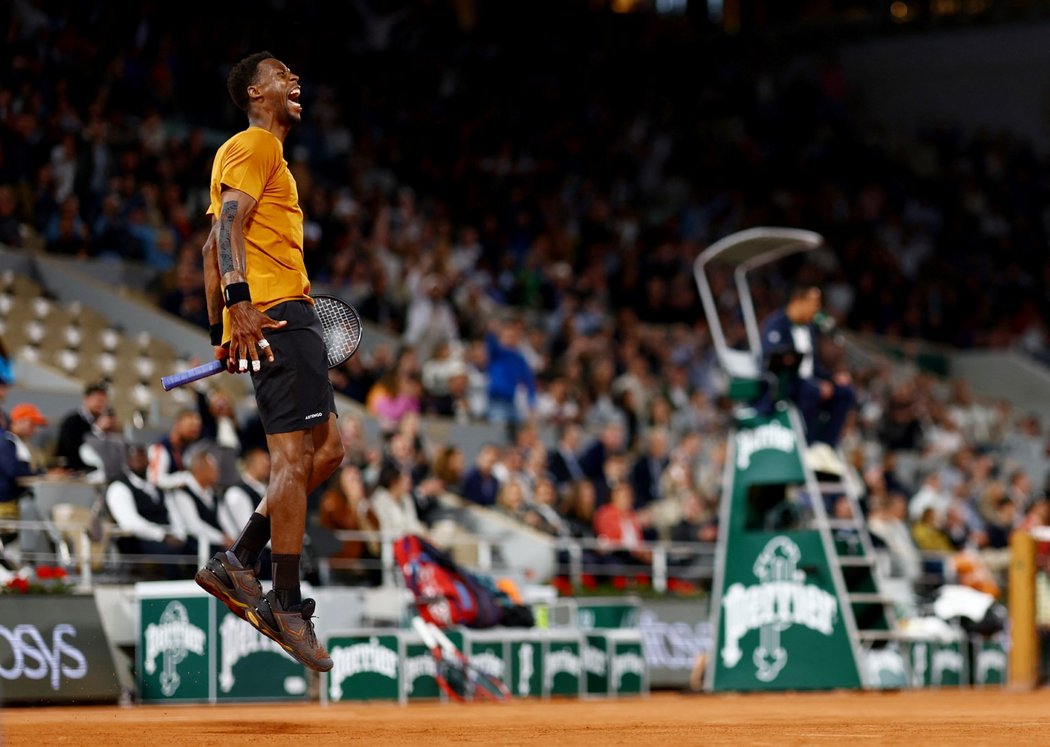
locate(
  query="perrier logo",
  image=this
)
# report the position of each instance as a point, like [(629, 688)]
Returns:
[(238, 641), (772, 435), (781, 598), (172, 638), (369, 657)]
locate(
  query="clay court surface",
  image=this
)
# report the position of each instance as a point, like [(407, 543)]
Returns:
[(926, 718)]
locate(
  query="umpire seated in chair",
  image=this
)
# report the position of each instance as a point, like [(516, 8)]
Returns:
[(791, 346), (148, 514)]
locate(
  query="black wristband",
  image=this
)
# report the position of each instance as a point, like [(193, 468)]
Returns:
[(215, 332), (235, 293)]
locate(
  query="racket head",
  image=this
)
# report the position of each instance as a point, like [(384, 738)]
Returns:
[(452, 677), (488, 687), (341, 325), (464, 682)]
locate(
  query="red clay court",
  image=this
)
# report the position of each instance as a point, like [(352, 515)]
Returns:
[(932, 717)]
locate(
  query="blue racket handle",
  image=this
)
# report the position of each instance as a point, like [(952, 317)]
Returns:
[(196, 373)]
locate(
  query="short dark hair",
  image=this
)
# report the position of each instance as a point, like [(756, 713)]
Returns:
[(389, 473), (242, 75), (96, 387), (802, 288)]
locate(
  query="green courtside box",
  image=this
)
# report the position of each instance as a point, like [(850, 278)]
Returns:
[(596, 650), (176, 651), (939, 664), (525, 652), (628, 674), (193, 649), (562, 663), (488, 650), (614, 663), (367, 665), (419, 670), (250, 665), (989, 660)]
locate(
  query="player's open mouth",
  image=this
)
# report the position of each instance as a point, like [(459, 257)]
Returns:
[(293, 99)]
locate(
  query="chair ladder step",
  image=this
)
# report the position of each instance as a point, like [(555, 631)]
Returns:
[(832, 487), (854, 561), (868, 598), (880, 635)]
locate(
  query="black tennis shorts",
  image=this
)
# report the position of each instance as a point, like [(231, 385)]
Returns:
[(293, 393)]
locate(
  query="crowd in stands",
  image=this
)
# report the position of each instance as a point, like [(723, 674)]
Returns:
[(526, 233)]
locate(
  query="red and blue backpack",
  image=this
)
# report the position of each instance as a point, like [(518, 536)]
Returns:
[(446, 594)]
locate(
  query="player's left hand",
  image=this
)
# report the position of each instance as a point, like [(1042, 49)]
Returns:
[(247, 338)]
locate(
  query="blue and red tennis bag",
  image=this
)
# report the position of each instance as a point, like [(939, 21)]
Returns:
[(447, 594)]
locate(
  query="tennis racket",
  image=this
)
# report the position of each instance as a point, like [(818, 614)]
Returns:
[(460, 680), (340, 324)]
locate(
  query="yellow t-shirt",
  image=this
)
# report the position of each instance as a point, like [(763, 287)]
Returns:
[(253, 162)]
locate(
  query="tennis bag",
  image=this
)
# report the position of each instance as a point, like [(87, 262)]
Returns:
[(447, 594)]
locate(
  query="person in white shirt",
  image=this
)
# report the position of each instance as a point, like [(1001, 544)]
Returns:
[(196, 502), (141, 508), (430, 318), (167, 468), (930, 495), (394, 505)]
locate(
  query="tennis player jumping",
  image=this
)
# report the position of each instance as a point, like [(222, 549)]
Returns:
[(263, 322)]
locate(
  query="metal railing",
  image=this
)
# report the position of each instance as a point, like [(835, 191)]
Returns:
[(578, 558), (660, 561), (81, 557)]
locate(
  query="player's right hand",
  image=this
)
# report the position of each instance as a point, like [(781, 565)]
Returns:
[(246, 332)]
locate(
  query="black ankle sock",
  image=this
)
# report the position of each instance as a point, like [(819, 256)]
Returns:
[(253, 539), (286, 580)]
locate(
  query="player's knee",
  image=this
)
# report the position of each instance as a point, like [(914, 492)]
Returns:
[(329, 456), (288, 471)]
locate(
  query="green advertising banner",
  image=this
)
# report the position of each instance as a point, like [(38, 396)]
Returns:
[(488, 652), (607, 613), (887, 668), (175, 651), (366, 667), (939, 664), (562, 666), (627, 669), (989, 661), (53, 649), (779, 622), (420, 672), (252, 666), (526, 667), (596, 664)]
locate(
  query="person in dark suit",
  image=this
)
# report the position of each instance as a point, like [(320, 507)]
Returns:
[(824, 398), (78, 424), (648, 467), (480, 485), (563, 460), (610, 441)]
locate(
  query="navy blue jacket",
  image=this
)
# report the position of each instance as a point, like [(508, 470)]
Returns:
[(11, 468), (776, 336)]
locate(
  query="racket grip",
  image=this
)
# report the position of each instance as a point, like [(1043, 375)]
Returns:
[(443, 640), (194, 374), (424, 632)]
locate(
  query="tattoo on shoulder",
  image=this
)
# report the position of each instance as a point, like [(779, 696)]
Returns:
[(229, 213)]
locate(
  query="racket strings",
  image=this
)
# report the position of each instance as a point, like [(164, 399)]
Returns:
[(341, 326)]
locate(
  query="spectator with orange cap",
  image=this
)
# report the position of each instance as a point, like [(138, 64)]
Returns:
[(16, 459)]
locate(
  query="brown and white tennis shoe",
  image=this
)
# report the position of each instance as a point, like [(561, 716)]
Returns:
[(231, 583), (293, 630)]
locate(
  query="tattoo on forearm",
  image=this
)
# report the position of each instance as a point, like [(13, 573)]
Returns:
[(229, 212)]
